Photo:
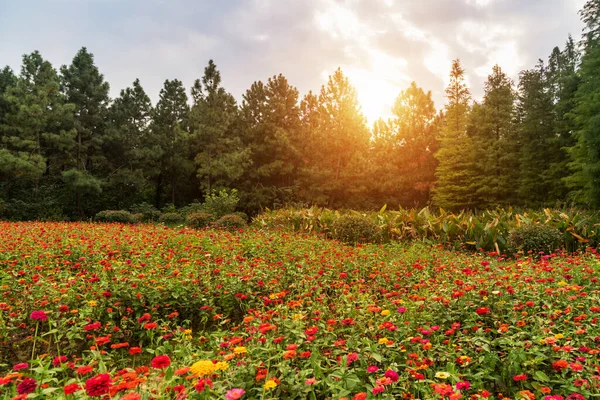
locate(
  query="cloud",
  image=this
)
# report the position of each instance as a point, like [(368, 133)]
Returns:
[(382, 45)]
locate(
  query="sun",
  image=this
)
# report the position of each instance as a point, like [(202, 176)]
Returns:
[(379, 84)]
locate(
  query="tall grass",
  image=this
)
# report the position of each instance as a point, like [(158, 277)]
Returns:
[(487, 230)]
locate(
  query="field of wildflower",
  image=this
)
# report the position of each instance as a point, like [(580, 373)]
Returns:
[(150, 312)]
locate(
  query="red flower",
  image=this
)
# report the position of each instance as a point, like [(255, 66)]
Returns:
[(560, 365), (59, 360), (71, 388), (521, 377), (483, 311), (92, 327), (98, 385), (135, 350), (84, 370), (160, 362), (20, 366), (150, 325), (38, 315), (28, 385)]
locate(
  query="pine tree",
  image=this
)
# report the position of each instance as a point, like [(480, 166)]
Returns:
[(220, 156), (585, 179), (495, 141), (126, 147), (85, 87), (333, 173), (455, 173), (536, 131), (167, 159), (415, 125), (270, 122)]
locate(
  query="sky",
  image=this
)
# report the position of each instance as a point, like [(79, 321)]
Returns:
[(381, 45)]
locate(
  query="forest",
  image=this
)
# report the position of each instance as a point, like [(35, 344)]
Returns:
[(68, 150)]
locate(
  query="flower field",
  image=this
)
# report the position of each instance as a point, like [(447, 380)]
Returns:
[(149, 312)]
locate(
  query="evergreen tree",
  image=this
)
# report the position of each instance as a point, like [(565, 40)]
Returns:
[(85, 87), (220, 156), (168, 158), (536, 119), (126, 147), (270, 121), (455, 185), (415, 123), (334, 171), (495, 141), (585, 180)]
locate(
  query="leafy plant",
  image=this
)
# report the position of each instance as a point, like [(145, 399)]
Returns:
[(199, 220), (122, 216), (534, 239), (231, 221), (355, 229)]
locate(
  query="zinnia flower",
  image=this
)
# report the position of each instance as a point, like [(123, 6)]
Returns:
[(234, 394), (270, 384), (71, 388), (160, 362), (442, 375), (39, 315), (521, 377), (20, 366), (97, 385), (202, 368), (26, 386)]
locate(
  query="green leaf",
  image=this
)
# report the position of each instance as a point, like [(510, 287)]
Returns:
[(541, 376)]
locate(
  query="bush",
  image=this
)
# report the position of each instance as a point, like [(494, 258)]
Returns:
[(354, 229), (138, 217), (121, 216), (148, 212), (199, 220), (221, 203), (171, 218), (231, 221), (535, 239)]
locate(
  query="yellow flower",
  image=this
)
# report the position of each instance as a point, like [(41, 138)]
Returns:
[(383, 341), (221, 366), (92, 303), (270, 384), (240, 350), (187, 332), (442, 375), (559, 336), (202, 368), (385, 313)]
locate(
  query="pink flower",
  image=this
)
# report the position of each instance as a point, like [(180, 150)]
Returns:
[(234, 394), (402, 310), (464, 385), (352, 357), (378, 389), (372, 369), (20, 366), (393, 375), (38, 315), (310, 381)]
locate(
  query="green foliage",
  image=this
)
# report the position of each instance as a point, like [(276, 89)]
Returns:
[(221, 203), (199, 220), (147, 211), (121, 216), (171, 218), (456, 174), (354, 229), (231, 221), (488, 230), (534, 239)]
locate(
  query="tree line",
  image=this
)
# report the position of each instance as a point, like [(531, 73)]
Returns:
[(67, 150)]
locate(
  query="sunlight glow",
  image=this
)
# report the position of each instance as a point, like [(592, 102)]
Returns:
[(378, 86)]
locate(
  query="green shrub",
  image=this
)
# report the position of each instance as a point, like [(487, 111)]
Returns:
[(138, 217), (231, 221), (534, 238), (199, 220), (171, 218), (148, 211), (222, 203), (121, 216), (354, 229)]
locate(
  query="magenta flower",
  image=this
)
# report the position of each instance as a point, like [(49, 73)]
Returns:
[(393, 375), (39, 315), (402, 310), (28, 385), (372, 368)]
